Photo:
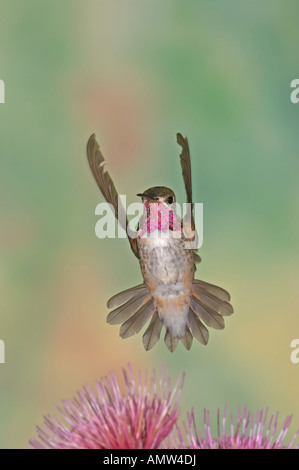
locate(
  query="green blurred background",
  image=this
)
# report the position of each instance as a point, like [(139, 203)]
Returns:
[(135, 73)]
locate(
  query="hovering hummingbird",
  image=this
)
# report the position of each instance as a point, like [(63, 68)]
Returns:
[(169, 294)]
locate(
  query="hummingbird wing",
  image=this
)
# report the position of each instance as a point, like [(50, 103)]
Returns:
[(186, 171), (186, 165), (106, 185)]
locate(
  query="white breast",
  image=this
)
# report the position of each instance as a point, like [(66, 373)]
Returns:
[(164, 259), (166, 264), (157, 238)]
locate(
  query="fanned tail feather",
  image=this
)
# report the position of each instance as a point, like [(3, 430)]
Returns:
[(210, 288), (152, 333), (170, 341), (187, 339), (208, 304), (199, 331), (207, 315), (126, 295), (124, 312), (134, 308), (134, 324)]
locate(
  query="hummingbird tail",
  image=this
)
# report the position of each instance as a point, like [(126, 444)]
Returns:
[(134, 308), (170, 341), (211, 289), (199, 331), (208, 304), (187, 339), (128, 309), (152, 333), (135, 323), (125, 295)]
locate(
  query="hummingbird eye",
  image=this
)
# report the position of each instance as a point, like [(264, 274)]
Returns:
[(169, 200)]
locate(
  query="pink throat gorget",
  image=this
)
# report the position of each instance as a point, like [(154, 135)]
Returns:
[(159, 216)]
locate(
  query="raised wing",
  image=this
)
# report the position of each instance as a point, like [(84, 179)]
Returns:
[(106, 185), (186, 166), (186, 171)]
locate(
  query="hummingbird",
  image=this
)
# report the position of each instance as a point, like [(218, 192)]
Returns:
[(169, 295)]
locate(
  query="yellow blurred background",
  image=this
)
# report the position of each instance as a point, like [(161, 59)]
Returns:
[(136, 73)]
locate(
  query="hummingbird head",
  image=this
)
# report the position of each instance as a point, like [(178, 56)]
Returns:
[(158, 194), (159, 210)]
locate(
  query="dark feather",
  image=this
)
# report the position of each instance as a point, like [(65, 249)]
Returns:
[(124, 312), (170, 341), (186, 171), (215, 290), (206, 314), (138, 320), (106, 185), (186, 165), (125, 295), (197, 258), (152, 333), (218, 305), (199, 331), (187, 339)]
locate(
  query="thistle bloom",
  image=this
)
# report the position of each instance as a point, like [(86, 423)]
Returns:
[(251, 432), (140, 419)]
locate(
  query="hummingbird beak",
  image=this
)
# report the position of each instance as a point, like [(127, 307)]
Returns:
[(148, 197)]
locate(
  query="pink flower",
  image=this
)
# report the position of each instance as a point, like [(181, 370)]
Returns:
[(250, 432), (140, 419)]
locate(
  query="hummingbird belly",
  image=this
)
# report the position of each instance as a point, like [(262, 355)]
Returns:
[(168, 270)]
